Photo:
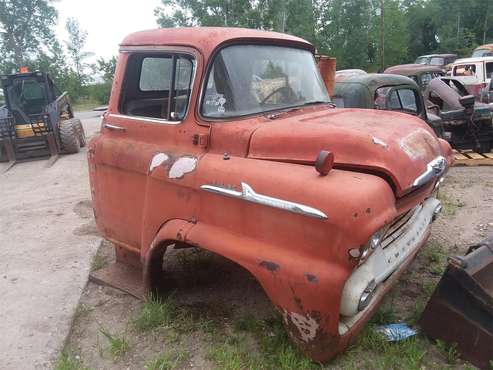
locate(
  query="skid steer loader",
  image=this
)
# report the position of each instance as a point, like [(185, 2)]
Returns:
[(36, 120)]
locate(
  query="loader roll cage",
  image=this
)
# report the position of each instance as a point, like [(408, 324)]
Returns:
[(37, 119)]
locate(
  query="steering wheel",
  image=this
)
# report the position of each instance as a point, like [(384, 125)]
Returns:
[(287, 89)]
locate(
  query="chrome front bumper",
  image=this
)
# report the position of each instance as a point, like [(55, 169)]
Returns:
[(387, 258)]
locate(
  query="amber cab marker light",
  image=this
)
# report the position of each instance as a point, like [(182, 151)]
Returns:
[(324, 162)]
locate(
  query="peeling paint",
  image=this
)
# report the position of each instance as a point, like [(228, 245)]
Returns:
[(157, 160), (182, 166), (306, 325), (380, 142), (419, 144), (271, 266)]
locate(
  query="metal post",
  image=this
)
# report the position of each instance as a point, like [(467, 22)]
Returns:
[(382, 36)]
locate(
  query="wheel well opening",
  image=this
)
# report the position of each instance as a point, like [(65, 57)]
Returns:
[(205, 280)]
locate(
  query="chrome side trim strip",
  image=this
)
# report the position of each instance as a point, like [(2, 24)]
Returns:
[(144, 119), (434, 168), (248, 194)]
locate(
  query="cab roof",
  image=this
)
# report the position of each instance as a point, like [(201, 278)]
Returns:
[(412, 69), (207, 39), (474, 60)]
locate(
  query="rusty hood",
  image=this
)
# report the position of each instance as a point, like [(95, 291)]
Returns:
[(393, 145)]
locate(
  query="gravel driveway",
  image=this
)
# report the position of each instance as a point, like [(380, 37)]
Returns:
[(47, 241)]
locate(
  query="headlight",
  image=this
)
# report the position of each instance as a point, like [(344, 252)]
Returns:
[(363, 252)]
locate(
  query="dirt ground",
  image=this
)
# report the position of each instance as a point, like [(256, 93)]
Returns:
[(216, 316), (45, 254)]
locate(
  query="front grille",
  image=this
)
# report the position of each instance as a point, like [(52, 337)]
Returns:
[(399, 226)]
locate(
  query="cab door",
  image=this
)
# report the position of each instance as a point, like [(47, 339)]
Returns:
[(149, 127)]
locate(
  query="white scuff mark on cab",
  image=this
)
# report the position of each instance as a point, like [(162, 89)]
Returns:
[(380, 142), (182, 166), (157, 160), (420, 144), (306, 325)]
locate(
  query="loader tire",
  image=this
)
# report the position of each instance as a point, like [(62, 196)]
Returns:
[(80, 132), (69, 137)]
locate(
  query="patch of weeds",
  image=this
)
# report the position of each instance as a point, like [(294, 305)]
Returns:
[(118, 346), (68, 362), (156, 312), (449, 205), (83, 309), (384, 315), (168, 361), (277, 350), (98, 262), (405, 354), (246, 323), (449, 351), (229, 355), (417, 311), (436, 257)]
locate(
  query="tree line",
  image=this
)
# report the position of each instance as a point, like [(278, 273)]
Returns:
[(350, 30)]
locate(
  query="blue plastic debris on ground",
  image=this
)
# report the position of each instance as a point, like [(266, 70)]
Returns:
[(396, 332)]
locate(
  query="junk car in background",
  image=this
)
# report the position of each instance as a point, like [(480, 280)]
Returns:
[(384, 92), (466, 123), (443, 61), (480, 69), (483, 51), (422, 74)]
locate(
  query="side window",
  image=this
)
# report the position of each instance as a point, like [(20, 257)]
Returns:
[(401, 99), (425, 79), (465, 70), (489, 69), (157, 86), (155, 74)]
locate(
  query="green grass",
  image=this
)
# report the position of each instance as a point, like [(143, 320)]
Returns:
[(83, 309), (436, 257), (167, 361), (448, 351), (98, 262), (117, 346), (450, 205), (85, 104), (157, 312), (66, 361)]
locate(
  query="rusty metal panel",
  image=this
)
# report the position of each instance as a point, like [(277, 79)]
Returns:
[(461, 308)]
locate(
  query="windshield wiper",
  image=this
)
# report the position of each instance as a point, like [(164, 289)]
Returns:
[(312, 102)]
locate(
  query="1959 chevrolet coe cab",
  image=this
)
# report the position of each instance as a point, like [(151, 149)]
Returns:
[(225, 139)]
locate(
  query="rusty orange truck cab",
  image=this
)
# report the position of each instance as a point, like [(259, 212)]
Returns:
[(225, 139)]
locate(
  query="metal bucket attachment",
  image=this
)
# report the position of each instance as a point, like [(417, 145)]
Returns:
[(461, 308)]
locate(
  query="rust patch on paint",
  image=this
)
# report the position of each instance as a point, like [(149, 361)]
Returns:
[(271, 266), (311, 278)]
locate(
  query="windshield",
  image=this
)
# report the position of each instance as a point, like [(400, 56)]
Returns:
[(482, 53), (437, 61), (422, 60), (250, 79)]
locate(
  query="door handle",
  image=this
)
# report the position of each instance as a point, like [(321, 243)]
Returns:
[(114, 127)]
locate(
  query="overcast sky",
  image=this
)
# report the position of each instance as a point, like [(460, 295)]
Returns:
[(106, 21)]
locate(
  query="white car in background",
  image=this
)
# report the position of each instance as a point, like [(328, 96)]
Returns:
[(475, 73)]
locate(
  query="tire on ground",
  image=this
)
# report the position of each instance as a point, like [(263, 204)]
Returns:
[(69, 136), (80, 132)]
